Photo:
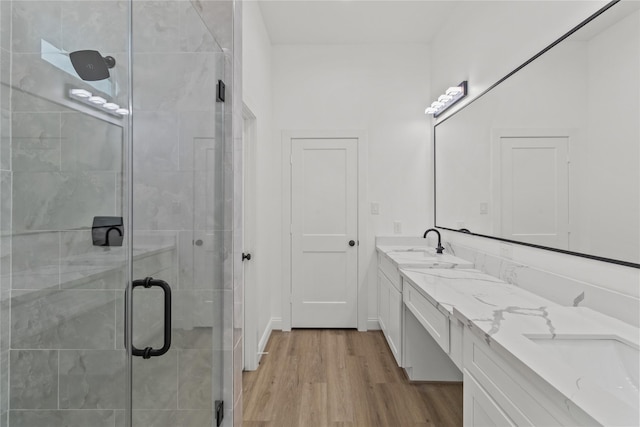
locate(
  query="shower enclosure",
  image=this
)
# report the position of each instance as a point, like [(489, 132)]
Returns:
[(115, 213)]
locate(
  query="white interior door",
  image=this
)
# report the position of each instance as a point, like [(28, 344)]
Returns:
[(324, 224), (535, 190)]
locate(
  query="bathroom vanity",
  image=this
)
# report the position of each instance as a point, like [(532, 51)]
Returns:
[(524, 359), (393, 295)]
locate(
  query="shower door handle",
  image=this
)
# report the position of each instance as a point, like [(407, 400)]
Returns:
[(149, 352)]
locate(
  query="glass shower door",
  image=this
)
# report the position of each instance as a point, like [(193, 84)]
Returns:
[(95, 198), (63, 212), (178, 211)]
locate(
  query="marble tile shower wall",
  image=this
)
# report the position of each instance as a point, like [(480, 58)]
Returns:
[(61, 335), (563, 290)]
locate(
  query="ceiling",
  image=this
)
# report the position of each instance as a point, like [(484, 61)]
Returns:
[(354, 21)]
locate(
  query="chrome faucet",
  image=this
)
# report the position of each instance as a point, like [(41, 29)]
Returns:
[(439, 248)]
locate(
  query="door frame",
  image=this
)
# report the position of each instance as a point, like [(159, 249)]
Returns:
[(250, 319), (362, 291)]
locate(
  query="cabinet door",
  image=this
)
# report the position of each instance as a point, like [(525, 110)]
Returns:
[(394, 324), (383, 301), (480, 410)]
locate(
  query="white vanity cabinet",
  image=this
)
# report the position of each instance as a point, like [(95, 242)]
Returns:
[(416, 330), (445, 322), (479, 409), (498, 393), (390, 305)]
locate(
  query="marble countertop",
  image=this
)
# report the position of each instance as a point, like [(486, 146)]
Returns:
[(512, 320)]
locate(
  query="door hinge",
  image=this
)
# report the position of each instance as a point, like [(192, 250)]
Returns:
[(291, 159), (219, 407), (220, 91)]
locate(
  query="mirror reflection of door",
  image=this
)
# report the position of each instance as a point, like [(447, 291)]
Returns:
[(534, 190)]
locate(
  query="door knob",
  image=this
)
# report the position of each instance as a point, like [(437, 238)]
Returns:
[(246, 256), (198, 242), (352, 242)]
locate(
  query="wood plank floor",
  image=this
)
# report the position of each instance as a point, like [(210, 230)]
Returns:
[(340, 378)]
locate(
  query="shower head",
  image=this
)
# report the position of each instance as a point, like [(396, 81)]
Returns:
[(91, 65)]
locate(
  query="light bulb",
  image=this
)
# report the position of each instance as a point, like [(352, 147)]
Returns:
[(110, 106), (80, 93), (454, 90), (122, 111), (97, 100)]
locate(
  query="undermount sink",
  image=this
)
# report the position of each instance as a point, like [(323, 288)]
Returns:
[(608, 362), (418, 254), (422, 256)]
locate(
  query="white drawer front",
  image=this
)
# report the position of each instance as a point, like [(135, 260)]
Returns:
[(436, 323), (390, 270)]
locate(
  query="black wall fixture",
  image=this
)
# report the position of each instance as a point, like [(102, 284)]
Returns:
[(220, 91), (107, 231), (91, 65)]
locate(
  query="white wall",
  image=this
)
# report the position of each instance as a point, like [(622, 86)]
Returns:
[(257, 96), (483, 50), (381, 89), (484, 40)]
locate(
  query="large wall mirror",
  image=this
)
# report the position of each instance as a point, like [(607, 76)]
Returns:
[(550, 155)]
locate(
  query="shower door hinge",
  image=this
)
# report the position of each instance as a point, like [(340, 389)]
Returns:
[(220, 91), (219, 408)]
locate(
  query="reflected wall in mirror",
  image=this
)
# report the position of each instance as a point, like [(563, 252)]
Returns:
[(550, 156)]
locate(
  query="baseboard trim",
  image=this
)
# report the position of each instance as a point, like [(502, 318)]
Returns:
[(373, 324), (264, 339), (276, 323)]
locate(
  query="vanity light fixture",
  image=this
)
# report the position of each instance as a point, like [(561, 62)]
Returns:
[(446, 100), (97, 102)]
